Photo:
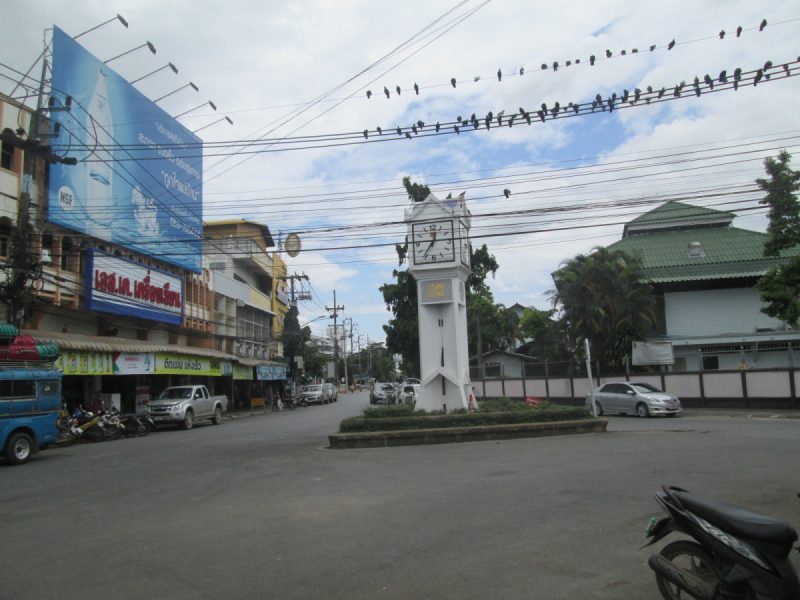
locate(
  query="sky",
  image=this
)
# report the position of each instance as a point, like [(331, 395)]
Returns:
[(302, 68)]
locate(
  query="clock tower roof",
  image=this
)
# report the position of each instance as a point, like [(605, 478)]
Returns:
[(433, 208)]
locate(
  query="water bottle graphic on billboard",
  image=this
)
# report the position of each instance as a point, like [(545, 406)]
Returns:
[(138, 181), (99, 189)]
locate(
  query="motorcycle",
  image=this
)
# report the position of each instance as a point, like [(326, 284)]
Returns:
[(133, 424), (736, 553), (290, 402), (80, 424)]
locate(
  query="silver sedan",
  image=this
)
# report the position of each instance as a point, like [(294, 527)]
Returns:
[(633, 397)]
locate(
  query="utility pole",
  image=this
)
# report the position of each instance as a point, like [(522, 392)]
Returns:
[(345, 346), (291, 279), (335, 311), (26, 268)]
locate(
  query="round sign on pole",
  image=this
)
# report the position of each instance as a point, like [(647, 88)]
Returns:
[(292, 244)]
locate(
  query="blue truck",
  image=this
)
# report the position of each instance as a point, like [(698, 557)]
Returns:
[(30, 403)]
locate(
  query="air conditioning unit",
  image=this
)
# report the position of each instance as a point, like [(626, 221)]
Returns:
[(46, 258)]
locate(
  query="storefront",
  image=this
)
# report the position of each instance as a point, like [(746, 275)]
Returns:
[(99, 371), (272, 377)]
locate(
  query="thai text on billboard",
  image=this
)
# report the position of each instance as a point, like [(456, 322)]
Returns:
[(124, 287), (139, 178)]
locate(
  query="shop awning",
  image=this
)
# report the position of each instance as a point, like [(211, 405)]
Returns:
[(74, 341), (249, 362)]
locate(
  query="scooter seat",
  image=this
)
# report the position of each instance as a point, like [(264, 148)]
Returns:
[(738, 521)]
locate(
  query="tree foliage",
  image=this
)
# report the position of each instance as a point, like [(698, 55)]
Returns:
[(549, 340), (605, 298), (780, 287), (416, 191)]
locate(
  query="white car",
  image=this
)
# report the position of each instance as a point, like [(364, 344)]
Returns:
[(408, 394), (315, 394)]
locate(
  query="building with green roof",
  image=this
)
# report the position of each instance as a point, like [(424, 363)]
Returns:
[(705, 269)]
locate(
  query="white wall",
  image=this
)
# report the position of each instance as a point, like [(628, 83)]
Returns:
[(713, 312)]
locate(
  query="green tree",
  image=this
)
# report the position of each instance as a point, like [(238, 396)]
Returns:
[(482, 319), (402, 331), (293, 338), (605, 297), (549, 341), (510, 333), (780, 286), (416, 191)]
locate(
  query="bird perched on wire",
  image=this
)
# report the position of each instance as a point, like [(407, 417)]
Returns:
[(500, 117), (507, 192), (608, 53), (591, 60), (541, 115), (369, 94), (759, 76), (636, 95), (416, 89), (398, 90), (408, 135), (437, 126), (386, 91), (649, 89), (544, 66), (462, 194), (453, 82), (366, 133), (723, 77), (737, 76), (671, 45), (722, 34), (522, 70), (653, 47), (555, 66), (499, 74), (709, 81), (457, 130), (420, 124), (662, 92), (414, 129), (763, 24), (625, 94), (379, 130), (738, 31), (399, 131)]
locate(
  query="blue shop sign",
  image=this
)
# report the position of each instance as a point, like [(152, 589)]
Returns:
[(270, 373)]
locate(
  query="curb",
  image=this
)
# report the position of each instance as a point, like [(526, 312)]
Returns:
[(419, 437)]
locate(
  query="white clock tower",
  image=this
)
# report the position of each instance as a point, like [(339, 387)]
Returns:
[(438, 255)]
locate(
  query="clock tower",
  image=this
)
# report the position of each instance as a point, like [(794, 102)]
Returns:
[(438, 255)]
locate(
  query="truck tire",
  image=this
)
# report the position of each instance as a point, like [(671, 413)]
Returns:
[(217, 418), (19, 448), (188, 420)]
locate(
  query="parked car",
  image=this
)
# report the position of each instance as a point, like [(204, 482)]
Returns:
[(382, 393), (408, 394), (412, 381), (634, 397), (331, 392), (185, 404), (315, 394)]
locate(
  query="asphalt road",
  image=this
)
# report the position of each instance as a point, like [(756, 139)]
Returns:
[(259, 508)]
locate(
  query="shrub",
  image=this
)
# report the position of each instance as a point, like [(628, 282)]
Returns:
[(421, 420)]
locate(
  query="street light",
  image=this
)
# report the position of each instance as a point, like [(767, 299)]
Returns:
[(147, 44), (210, 103), (196, 89), (214, 123), (117, 18), (166, 66)]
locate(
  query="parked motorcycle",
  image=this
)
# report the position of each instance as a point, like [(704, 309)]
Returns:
[(81, 425), (736, 553), (290, 403)]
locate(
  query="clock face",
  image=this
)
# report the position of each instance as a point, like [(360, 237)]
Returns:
[(433, 242), (464, 243), (292, 245)]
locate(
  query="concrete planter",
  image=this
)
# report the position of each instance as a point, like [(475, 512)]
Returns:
[(417, 437)]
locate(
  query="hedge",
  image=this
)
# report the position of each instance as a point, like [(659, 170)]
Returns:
[(419, 420)]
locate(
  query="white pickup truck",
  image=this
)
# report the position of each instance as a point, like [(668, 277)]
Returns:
[(185, 404)]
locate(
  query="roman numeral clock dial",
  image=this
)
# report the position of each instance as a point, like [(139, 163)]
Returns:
[(433, 242)]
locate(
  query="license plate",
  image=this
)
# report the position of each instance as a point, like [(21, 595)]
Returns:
[(673, 407)]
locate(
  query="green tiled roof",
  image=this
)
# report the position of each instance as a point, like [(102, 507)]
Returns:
[(728, 252), (675, 214)]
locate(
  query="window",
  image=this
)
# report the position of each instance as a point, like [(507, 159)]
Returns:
[(711, 363), (7, 156), (66, 250), (5, 237), (217, 266)]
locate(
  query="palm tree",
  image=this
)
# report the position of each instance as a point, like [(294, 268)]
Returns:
[(510, 333), (605, 298)]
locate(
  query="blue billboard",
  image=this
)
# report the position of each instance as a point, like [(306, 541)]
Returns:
[(139, 178)]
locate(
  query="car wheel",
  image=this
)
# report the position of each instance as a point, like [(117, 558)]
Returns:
[(188, 420), (642, 411), (19, 448), (599, 409), (217, 419)]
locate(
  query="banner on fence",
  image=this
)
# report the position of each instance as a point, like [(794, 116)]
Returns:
[(652, 353), (531, 401)]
